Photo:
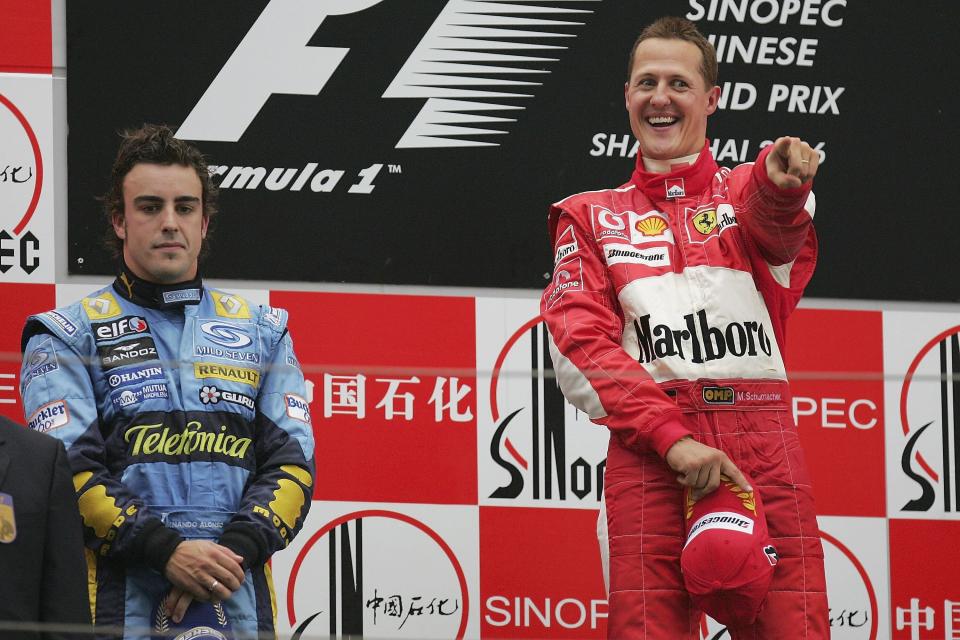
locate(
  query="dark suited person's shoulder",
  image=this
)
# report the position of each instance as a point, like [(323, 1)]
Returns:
[(22, 436)]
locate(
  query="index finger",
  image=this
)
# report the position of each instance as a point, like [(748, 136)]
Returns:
[(730, 470)]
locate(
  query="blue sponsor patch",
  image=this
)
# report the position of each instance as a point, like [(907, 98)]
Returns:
[(129, 397), (41, 361), (181, 295), (239, 342), (65, 325), (134, 376)]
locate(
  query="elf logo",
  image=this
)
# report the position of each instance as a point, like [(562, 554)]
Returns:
[(466, 37)]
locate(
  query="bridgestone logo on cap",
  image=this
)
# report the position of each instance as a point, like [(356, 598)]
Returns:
[(726, 520)]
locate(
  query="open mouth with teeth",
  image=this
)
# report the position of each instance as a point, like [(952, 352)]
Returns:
[(662, 121)]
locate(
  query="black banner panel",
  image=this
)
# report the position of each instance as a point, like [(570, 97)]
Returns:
[(401, 142)]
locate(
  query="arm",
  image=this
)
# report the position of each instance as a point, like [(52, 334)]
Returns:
[(596, 374), (278, 495), (64, 582), (601, 379), (55, 382), (777, 204)]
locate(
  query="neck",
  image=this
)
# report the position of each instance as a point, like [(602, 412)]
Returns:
[(666, 166), (158, 296)]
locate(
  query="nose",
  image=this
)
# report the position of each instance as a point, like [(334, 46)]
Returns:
[(168, 219), (660, 97)]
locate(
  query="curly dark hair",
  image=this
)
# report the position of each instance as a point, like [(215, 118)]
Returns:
[(673, 28), (153, 144)]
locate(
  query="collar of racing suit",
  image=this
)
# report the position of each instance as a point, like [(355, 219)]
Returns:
[(153, 295), (690, 180)]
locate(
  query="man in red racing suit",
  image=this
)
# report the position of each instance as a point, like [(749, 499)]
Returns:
[(667, 312)]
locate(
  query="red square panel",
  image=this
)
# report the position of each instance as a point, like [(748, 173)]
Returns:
[(540, 574), (19, 301), (924, 589), (393, 387), (835, 363), (25, 37)]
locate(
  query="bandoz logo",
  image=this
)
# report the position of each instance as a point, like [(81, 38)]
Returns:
[(21, 185), (536, 448), (925, 454), (375, 572)]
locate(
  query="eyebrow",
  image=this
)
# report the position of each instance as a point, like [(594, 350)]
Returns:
[(156, 199)]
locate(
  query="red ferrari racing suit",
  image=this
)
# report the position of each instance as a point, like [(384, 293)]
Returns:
[(667, 311)]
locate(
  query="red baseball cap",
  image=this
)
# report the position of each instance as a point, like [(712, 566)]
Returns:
[(728, 560)]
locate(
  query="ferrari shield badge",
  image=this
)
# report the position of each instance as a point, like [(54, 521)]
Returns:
[(8, 523)]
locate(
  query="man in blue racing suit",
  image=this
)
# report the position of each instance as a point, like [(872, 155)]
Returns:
[(182, 409)]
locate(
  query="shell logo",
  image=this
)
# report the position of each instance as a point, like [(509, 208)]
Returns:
[(652, 226)]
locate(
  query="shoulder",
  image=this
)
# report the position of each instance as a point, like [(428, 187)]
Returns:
[(233, 306), (27, 441), (71, 322)]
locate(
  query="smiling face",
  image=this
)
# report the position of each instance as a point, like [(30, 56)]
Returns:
[(163, 225), (668, 99)]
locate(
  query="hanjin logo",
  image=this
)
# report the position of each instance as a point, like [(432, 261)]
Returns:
[(463, 41), (529, 444), (378, 573), (929, 415)]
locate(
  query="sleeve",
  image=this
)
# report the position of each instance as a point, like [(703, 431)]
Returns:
[(278, 495), (778, 220), (59, 399), (595, 373), (64, 595)]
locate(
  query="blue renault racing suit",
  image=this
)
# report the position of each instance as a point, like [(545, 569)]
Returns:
[(182, 409)]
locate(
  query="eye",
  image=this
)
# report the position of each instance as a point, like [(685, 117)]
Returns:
[(677, 83), (185, 208)]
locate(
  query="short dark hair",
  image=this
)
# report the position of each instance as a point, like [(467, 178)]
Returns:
[(153, 144), (671, 27)]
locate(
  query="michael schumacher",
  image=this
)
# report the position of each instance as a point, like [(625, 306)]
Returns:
[(667, 311), (181, 408)]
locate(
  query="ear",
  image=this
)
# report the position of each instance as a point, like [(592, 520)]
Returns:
[(626, 95), (713, 99), (203, 226), (119, 226)]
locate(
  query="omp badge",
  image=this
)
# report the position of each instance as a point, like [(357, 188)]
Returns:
[(8, 519), (719, 395), (230, 306), (102, 307), (379, 573)]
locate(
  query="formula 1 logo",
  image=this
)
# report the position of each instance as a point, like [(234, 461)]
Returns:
[(465, 40)]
